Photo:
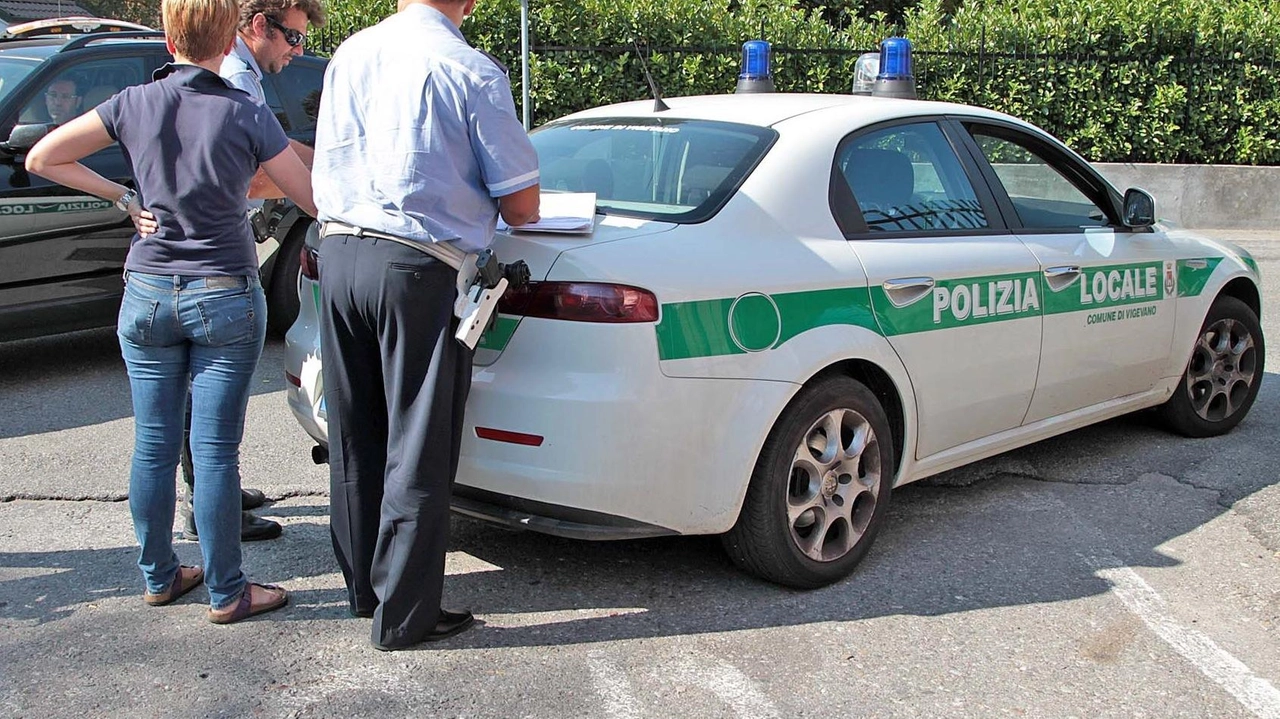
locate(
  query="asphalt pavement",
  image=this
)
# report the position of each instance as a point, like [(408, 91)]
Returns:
[(1116, 571)]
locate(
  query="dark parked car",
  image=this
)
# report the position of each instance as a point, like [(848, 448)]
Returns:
[(62, 252)]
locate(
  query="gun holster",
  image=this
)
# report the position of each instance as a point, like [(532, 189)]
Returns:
[(480, 284)]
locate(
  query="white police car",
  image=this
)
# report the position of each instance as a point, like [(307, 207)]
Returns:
[(791, 304)]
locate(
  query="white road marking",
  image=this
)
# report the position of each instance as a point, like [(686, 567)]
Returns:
[(725, 681), (733, 687), (614, 688), (1256, 693)]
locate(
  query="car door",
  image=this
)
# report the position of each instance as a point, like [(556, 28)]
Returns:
[(293, 94), (953, 290), (63, 250), (1109, 300)]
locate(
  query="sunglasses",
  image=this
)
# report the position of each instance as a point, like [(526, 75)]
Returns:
[(291, 36)]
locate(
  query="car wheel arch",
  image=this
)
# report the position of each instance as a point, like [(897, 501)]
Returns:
[(1242, 288), (882, 385), (280, 276)]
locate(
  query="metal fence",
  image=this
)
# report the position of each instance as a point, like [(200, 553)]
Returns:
[(1122, 99)]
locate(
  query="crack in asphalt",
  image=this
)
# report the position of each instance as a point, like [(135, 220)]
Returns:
[(1221, 498), (110, 498)]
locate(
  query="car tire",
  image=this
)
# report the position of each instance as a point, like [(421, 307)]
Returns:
[(282, 293), (1223, 375), (813, 506)]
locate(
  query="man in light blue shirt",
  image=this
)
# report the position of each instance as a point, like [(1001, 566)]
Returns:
[(417, 138), (271, 34)]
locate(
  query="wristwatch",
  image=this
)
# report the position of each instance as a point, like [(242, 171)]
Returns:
[(126, 199)]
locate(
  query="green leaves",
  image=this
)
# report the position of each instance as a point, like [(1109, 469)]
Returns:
[(1192, 81)]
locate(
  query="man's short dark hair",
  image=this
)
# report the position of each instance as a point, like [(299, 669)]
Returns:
[(277, 8), (73, 79)]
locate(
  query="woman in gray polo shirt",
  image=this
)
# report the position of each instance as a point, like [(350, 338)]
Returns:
[(193, 310)]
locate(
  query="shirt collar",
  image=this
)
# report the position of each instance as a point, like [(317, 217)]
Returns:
[(427, 15), (242, 51), (189, 75)]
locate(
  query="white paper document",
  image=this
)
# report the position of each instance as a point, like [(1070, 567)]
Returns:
[(571, 212)]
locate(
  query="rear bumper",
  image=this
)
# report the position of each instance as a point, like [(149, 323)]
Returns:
[(519, 513), (304, 389)]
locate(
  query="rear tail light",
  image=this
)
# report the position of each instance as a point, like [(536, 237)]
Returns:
[(309, 260), (581, 302)]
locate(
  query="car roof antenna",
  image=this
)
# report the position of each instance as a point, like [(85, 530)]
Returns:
[(658, 104)]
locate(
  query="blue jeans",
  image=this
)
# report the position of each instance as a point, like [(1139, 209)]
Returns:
[(206, 333)]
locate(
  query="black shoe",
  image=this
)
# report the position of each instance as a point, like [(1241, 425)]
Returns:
[(450, 624), (252, 498), (252, 528), (255, 529)]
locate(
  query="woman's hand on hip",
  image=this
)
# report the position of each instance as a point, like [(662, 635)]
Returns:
[(143, 221)]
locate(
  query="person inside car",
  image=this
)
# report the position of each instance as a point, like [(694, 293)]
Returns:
[(63, 100)]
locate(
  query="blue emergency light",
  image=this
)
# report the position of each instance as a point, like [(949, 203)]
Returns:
[(755, 75), (895, 78)]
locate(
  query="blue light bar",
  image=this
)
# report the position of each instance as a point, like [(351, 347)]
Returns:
[(755, 60), (895, 59), (755, 67), (895, 79)]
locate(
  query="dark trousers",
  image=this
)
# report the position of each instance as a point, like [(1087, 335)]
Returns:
[(395, 384)]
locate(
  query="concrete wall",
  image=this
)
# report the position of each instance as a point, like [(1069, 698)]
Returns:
[(1205, 196)]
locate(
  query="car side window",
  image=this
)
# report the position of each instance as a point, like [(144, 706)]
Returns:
[(907, 178), (80, 88), (276, 105), (298, 86), (1043, 197)]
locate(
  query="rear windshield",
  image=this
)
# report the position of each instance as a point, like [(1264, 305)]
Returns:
[(654, 168)]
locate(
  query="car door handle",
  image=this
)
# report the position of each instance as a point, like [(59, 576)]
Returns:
[(1197, 264), (1060, 277), (1062, 271), (903, 291)]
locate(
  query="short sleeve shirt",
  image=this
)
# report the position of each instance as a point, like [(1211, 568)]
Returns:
[(240, 70), (417, 134), (193, 142)]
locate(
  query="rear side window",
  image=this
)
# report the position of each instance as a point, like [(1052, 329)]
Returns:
[(674, 170), (907, 178)]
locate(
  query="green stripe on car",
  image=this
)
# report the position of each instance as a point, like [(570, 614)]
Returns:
[(729, 326), (756, 321), (497, 336), (1108, 286), (1194, 274)]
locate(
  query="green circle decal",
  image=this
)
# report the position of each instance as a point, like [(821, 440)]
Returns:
[(754, 322)]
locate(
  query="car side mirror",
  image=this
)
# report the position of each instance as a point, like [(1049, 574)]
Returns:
[(1139, 208), (25, 137)]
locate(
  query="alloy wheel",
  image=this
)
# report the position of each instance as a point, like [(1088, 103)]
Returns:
[(1223, 368), (834, 485)]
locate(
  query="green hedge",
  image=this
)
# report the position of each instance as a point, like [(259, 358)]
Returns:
[(1160, 81)]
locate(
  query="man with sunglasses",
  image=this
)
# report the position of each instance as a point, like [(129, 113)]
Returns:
[(270, 34)]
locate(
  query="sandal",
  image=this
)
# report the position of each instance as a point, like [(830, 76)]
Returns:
[(185, 580), (248, 605)]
